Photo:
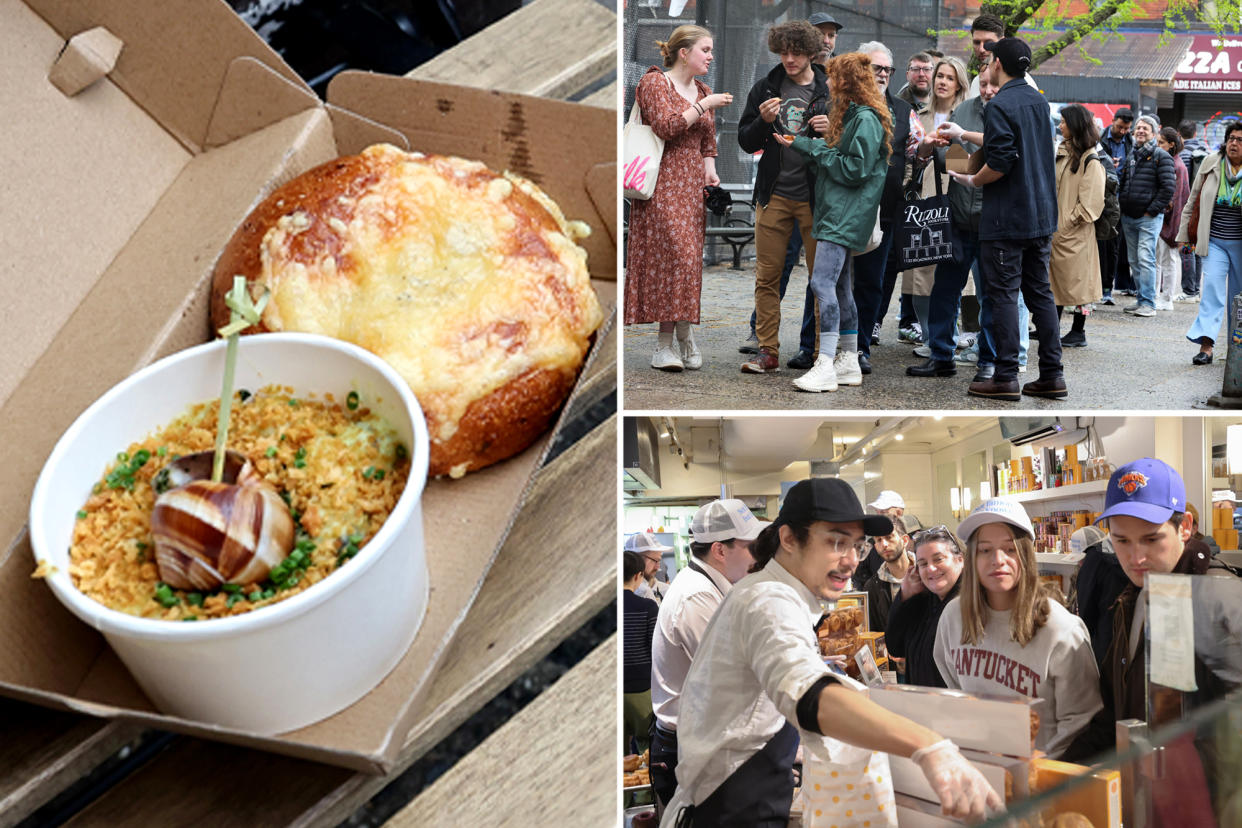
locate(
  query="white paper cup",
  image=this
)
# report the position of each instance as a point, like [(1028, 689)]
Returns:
[(295, 662)]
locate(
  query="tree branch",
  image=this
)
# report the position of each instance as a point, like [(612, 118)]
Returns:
[(1013, 12), (1084, 26)]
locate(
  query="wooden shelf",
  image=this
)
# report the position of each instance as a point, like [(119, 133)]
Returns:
[(1077, 490)]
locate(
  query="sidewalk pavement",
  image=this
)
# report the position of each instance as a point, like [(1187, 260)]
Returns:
[(1130, 363)]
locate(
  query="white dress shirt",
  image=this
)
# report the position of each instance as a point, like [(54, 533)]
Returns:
[(688, 606), (757, 658)]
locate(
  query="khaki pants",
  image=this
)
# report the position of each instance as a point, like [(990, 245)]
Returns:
[(773, 226)]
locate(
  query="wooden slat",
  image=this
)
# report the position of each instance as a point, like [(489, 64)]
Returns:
[(575, 786), (42, 752), (606, 97), (520, 614), (552, 48)]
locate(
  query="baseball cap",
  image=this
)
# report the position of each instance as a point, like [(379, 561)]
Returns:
[(887, 500), (830, 499), (821, 18), (1221, 495), (723, 520), (1084, 537), (1013, 53), (996, 510), (1148, 489), (641, 542)]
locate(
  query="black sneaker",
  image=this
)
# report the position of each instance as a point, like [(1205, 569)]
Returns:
[(1074, 339), (801, 360), (875, 334)]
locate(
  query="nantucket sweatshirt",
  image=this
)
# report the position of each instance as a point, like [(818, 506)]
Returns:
[(1057, 665)]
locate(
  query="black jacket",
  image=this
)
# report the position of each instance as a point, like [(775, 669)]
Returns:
[(911, 634), (1148, 179), (1023, 203), (754, 133), (879, 600), (891, 198)]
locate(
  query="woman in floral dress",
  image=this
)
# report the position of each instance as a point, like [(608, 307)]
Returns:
[(664, 264)]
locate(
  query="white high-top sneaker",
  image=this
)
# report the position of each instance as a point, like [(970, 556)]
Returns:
[(690, 355), (821, 377), (846, 366), (666, 359)]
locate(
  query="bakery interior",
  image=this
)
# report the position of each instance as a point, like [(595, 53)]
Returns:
[(1058, 469)]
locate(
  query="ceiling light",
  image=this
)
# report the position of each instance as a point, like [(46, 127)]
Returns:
[(899, 437)]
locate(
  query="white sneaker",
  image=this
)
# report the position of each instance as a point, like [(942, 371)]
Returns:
[(690, 355), (821, 377), (1164, 304), (666, 359), (966, 340), (846, 368), (1021, 369), (923, 351)]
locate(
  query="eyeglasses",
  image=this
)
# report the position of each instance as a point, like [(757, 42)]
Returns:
[(920, 70), (655, 559), (881, 70), (1234, 139), (939, 529)]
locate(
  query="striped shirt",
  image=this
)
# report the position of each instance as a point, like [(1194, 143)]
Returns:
[(638, 623), (1226, 223)]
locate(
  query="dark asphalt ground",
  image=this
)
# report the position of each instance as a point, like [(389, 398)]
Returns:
[(1130, 363)]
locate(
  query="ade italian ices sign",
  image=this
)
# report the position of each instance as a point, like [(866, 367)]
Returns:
[(1210, 65)]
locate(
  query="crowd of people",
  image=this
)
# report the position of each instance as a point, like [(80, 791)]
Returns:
[(1047, 220), (738, 687)]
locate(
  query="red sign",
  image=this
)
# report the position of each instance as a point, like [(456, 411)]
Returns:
[(1212, 64)]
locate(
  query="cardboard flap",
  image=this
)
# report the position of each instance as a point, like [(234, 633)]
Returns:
[(553, 143), (176, 54), (252, 97), (87, 58), (601, 186), (354, 133)]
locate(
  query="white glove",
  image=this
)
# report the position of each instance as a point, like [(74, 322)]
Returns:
[(963, 791), (950, 130)]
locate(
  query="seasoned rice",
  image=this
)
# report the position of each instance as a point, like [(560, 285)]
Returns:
[(341, 472)]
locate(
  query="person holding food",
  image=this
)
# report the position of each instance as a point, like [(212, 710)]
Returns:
[(1006, 635), (758, 683), (850, 163), (664, 271), (925, 590)]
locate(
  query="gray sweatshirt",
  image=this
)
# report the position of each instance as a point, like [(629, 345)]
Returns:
[(1057, 665)]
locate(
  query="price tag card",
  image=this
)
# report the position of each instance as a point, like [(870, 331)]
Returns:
[(867, 666), (1171, 631)]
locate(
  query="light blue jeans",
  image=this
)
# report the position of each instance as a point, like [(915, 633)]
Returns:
[(1222, 280), (1141, 234)]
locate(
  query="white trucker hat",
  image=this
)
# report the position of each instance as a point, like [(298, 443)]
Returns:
[(996, 510), (641, 542), (723, 520), (888, 499)]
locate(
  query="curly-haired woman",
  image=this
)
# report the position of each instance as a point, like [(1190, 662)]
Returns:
[(851, 161)]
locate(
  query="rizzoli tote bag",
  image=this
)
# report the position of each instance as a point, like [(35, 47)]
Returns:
[(925, 232)]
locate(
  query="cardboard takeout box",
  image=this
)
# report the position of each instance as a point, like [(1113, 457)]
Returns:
[(119, 195)]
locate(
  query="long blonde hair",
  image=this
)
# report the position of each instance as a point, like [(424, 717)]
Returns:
[(683, 37), (1030, 610), (959, 69)]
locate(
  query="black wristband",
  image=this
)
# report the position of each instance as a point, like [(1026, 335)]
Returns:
[(808, 705)]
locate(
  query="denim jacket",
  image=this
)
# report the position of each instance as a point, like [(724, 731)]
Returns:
[(1023, 203)]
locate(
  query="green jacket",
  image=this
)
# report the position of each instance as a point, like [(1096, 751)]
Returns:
[(849, 178)]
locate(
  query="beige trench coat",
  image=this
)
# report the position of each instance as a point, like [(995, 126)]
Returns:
[(1203, 188), (1075, 263)]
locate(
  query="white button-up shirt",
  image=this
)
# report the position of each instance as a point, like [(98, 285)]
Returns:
[(687, 608), (757, 658)]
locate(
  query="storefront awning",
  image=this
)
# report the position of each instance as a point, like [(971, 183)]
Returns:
[(1131, 56)]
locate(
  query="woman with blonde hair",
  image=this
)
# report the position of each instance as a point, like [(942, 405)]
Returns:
[(664, 264), (1074, 263), (1004, 634), (949, 85), (850, 162)]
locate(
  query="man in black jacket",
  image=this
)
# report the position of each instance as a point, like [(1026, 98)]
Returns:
[(1018, 178), (869, 267), (1148, 179), (792, 98)]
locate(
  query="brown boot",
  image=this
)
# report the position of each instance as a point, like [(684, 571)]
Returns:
[(1052, 388), (767, 361), (995, 390)]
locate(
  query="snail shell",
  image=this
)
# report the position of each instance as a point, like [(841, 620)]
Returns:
[(207, 534)]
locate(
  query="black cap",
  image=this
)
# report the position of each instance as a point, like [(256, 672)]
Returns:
[(821, 18), (1013, 53), (830, 499)]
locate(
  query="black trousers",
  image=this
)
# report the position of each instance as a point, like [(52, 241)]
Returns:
[(1010, 266), (662, 762), (869, 288)]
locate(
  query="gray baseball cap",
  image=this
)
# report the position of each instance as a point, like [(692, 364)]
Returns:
[(822, 18)]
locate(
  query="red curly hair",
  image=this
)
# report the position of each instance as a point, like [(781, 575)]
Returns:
[(850, 80)]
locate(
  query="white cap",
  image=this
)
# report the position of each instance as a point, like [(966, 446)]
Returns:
[(887, 500), (996, 510), (1084, 537), (1224, 494), (723, 520), (641, 542)]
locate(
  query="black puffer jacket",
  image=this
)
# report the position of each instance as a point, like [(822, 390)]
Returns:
[(754, 133), (911, 634), (1148, 180)]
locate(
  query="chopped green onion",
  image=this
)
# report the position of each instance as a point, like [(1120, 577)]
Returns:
[(194, 599), (97, 488), (401, 451), (162, 451), (268, 593), (141, 545), (293, 401), (271, 451), (81, 514), (140, 457), (379, 474), (299, 459), (233, 599), (256, 595), (351, 401), (161, 482), (368, 472), (232, 588), (163, 594), (284, 495), (244, 394), (122, 456), (190, 618)]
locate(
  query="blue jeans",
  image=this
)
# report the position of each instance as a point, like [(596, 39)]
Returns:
[(1222, 280), (946, 295), (1141, 234), (806, 338)]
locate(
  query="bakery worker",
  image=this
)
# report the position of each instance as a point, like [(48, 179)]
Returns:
[(888, 503), (651, 551), (758, 681), (721, 533)]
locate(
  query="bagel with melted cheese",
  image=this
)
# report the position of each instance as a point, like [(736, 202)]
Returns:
[(468, 282)]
